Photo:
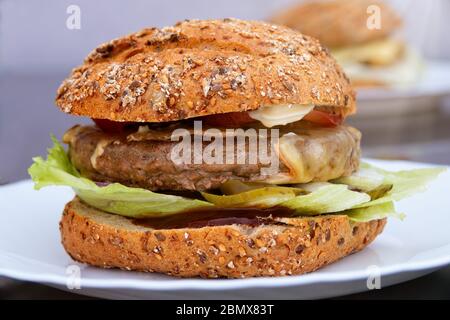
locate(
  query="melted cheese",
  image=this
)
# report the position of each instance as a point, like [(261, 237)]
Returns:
[(280, 115), (99, 150), (318, 154)]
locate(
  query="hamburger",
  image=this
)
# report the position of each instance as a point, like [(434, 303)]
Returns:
[(168, 179), (371, 54)]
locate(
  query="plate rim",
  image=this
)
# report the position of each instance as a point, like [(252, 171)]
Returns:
[(230, 284), (408, 92)]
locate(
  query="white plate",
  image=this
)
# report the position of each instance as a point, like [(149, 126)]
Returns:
[(419, 97), (30, 250)]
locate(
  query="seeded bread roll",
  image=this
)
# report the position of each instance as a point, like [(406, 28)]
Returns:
[(198, 68), (338, 23), (290, 246)]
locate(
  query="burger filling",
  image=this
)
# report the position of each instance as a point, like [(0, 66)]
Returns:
[(131, 169), (142, 158)]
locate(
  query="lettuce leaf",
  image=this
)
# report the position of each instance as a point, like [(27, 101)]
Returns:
[(231, 187), (404, 183), (378, 211), (265, 197), (325, 198), (114, 198), (305, 199), (364, 195), (365, 179)]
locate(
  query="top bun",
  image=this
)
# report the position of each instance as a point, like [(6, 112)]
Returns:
[(338, 23), (198, 68)]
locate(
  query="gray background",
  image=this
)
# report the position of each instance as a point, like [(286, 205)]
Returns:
[(34, 37)]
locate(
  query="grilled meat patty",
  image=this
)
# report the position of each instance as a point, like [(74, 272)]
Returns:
[(143, 158)]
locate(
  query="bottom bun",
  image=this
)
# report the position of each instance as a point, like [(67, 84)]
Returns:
[(287, 246)]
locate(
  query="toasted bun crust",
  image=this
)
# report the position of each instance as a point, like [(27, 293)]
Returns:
[(198, 68), (338, 23), (298, 246)]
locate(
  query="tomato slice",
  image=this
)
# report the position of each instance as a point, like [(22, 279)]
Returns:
[(228, 120), (323, 118), (111, 126), (237, 119), (232, 119)]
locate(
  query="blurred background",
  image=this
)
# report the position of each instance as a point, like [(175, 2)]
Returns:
[(38, 50)]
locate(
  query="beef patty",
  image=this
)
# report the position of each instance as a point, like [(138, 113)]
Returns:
[(143, 158)]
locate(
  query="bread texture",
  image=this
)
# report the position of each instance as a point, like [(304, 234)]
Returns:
[(290, 246), (204, 67), (338, 23)]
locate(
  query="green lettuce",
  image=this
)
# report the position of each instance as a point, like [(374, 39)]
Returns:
[(265, 197), (114, 198), (404, 183), (365, 179), (231, 187), (364, 196), (305, 199), (325, 198), (378, 211)]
